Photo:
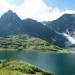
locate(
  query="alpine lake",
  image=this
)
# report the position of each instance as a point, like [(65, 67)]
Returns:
[(56, 63)]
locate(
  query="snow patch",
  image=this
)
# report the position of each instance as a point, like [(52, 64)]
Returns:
[(71, 39)]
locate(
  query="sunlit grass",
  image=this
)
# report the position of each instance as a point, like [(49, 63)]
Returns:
[(15, 67), (27, 43)]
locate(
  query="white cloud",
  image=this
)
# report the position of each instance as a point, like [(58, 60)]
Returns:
[(71, 39), (3, 6), (35, 9), (69, 11)]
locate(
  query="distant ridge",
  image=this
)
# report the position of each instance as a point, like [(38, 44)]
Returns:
[(11, 24)]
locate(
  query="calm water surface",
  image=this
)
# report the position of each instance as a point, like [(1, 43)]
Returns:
[(59, 64)]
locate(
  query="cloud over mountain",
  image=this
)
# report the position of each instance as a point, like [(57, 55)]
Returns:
[(35, 9)]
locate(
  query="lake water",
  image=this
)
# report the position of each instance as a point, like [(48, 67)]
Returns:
[(59, 64)]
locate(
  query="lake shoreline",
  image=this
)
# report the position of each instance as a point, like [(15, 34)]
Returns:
[(26, 50)]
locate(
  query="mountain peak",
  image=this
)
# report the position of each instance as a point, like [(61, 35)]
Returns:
[(9, 16), (68, 15), (29, 20), (9, 11)]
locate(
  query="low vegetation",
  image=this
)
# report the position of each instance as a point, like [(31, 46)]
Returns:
[(15, 67), (26, 43)]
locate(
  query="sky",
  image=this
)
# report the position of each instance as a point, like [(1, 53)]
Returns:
[(40, 10)]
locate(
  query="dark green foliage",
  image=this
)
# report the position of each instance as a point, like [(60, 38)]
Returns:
[(26, 42)]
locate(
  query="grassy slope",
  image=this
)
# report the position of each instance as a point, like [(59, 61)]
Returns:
[(14, 67), (25, 42)]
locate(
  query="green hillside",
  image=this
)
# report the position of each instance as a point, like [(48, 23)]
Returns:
[(26, 43), (14, 67)]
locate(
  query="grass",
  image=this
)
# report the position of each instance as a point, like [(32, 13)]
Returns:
[(26, 43), (15, 67)]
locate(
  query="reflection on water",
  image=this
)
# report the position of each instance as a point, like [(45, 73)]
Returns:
[(59, 64)]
